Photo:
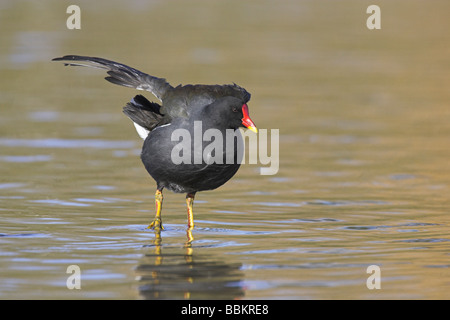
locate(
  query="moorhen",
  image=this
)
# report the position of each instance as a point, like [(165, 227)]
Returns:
[(185, 111)]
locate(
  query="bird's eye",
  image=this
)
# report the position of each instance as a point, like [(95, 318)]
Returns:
[(235, 109)]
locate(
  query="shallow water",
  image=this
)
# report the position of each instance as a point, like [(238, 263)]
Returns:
[(363, 169)]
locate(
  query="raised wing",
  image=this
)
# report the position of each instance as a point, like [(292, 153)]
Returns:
[(121, 74)]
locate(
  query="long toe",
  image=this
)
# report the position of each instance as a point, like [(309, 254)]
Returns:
[(156, 224)]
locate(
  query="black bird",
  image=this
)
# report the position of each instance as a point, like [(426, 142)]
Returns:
[(192, 164)]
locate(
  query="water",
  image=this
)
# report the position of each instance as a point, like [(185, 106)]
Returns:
[(364, 148)]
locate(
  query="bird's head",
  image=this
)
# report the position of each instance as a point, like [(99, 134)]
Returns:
[(229, 112)]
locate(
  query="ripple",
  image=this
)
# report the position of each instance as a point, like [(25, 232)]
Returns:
[(312, 265), (234, 231), (361, 227), (426, 240), (61, 202), (23, 235), (278, 204), (318, 220), (365, 227), (346, 202)]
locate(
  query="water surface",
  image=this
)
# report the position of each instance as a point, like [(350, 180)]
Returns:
[(364, 146)]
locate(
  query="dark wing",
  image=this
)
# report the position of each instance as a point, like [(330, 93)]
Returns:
[(121, 74), (182, 100)]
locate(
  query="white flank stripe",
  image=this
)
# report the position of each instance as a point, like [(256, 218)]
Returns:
[(142, 132)]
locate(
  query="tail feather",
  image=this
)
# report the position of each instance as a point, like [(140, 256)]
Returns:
[(144, 113), (121, 74)]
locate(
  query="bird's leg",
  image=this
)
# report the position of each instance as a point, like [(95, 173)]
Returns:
[(190, 213), (190, 238), (157, 222)]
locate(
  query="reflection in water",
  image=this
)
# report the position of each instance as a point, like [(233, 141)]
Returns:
[(176, 273), (364, 148)]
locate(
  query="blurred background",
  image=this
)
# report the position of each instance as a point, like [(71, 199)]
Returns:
[(364, 151)]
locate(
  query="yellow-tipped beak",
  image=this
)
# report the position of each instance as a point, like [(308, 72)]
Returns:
[(246, 121)]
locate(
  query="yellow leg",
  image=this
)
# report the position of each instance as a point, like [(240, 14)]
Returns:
[(157, 222), (190, 212), (190, 238)]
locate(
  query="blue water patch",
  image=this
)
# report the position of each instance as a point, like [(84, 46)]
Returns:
[(103, 187), (68, 143), (11, 185), (26, 159), (44, 116)]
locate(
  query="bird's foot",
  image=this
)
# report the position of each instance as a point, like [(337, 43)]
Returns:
[(156, 224)]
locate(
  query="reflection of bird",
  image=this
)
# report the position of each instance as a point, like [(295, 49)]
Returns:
[(217, 107), (172, 272)]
